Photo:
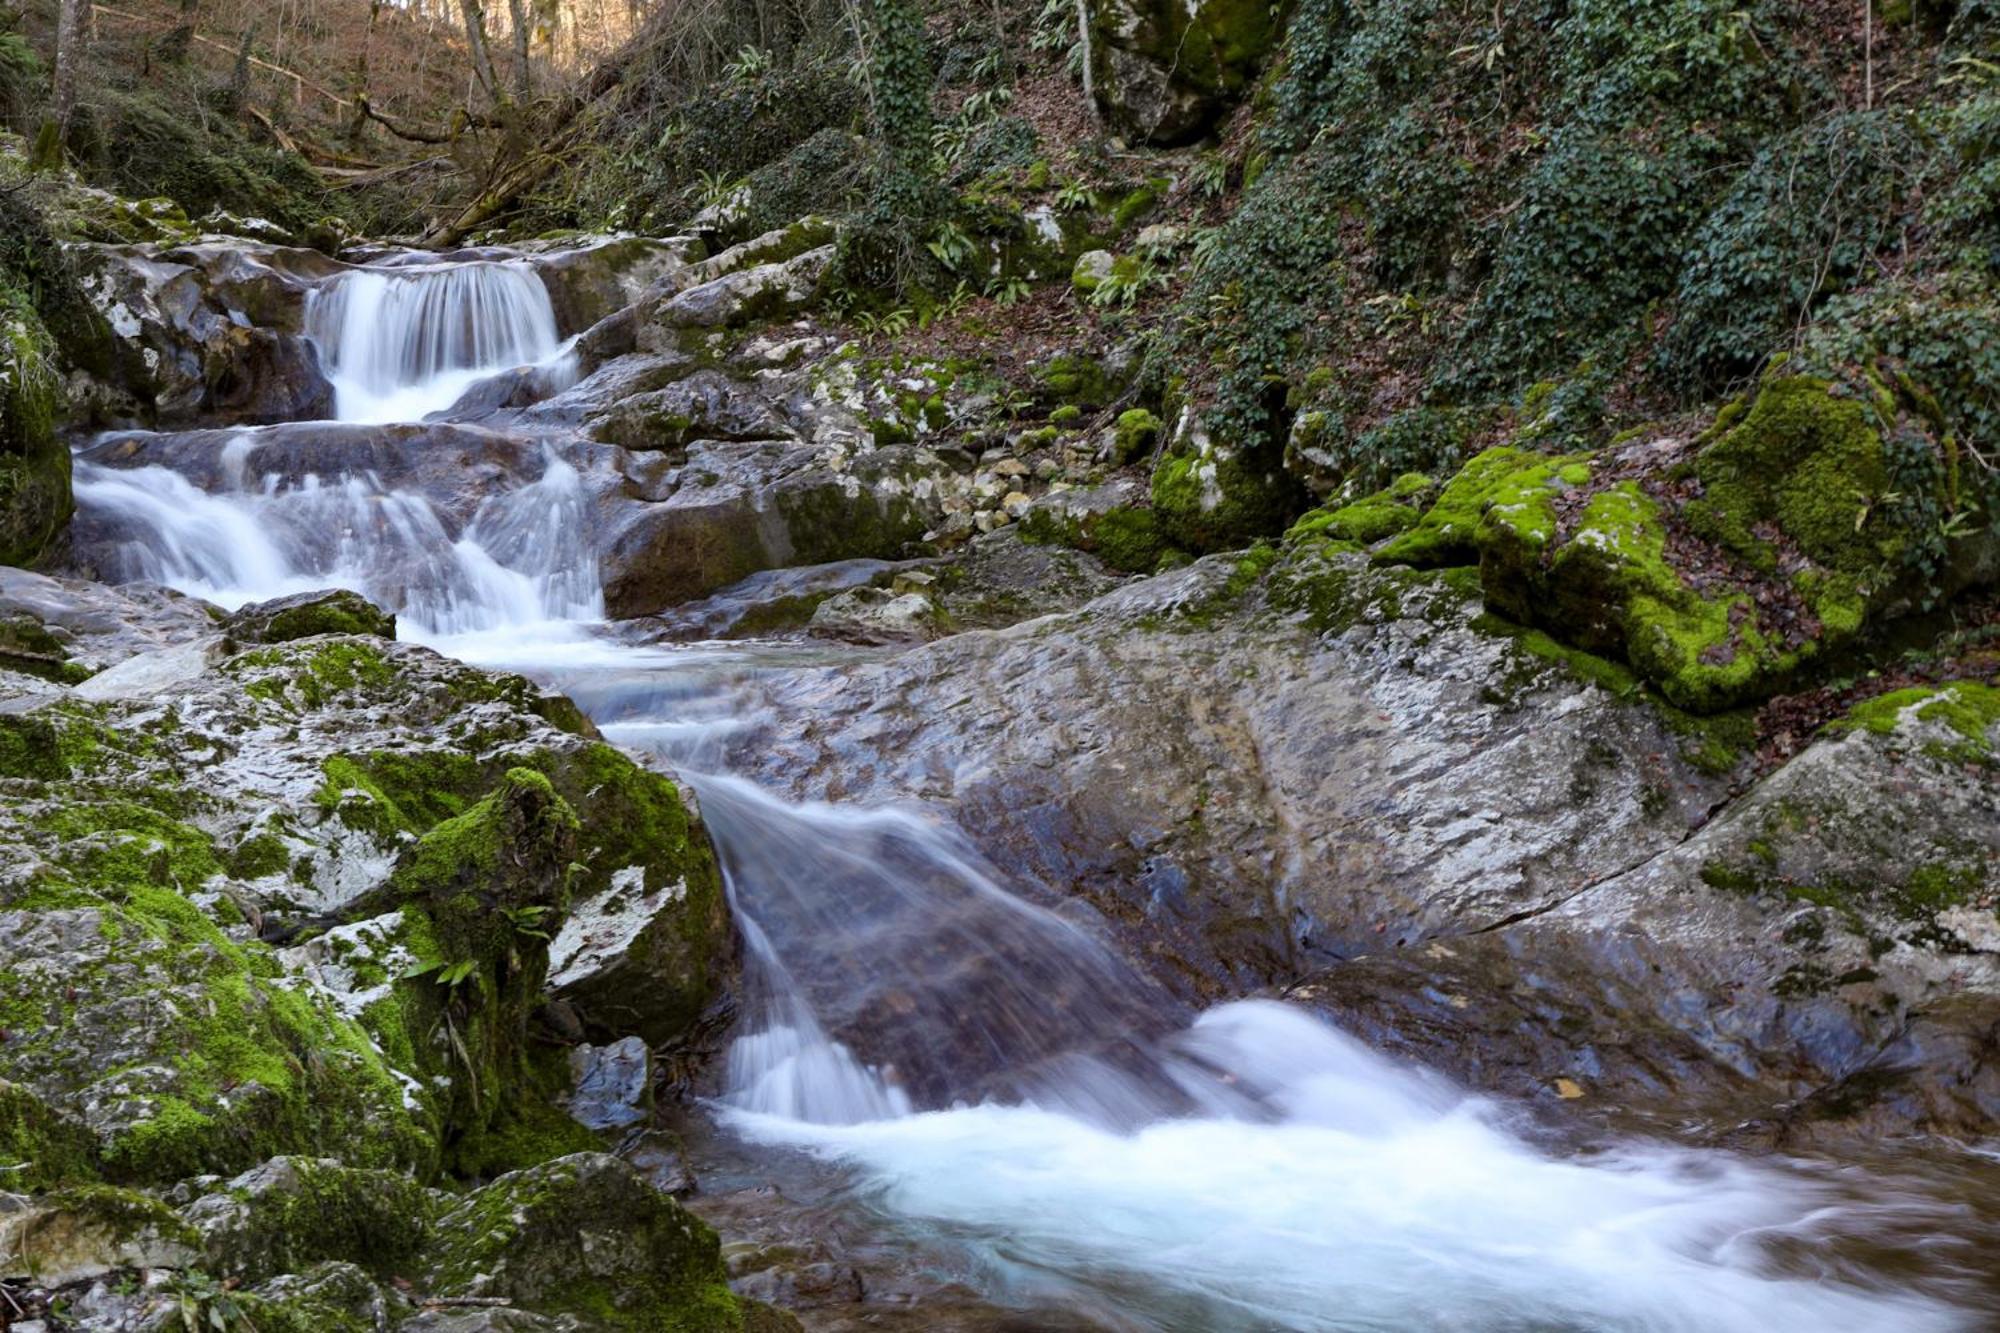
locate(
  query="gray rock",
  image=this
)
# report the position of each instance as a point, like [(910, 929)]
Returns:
[(612, 1086), (1482, 860), (764, 293), (302, 615)]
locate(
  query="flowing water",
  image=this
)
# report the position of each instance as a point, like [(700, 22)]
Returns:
[(980, 1064)]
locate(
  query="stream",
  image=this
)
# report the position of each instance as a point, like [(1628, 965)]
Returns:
[(957, 1059)]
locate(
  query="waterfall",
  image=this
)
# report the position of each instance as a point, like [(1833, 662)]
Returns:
[(403, 342), (982, 1066), (519, 562)]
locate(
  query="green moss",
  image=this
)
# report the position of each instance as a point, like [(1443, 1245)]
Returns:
[(1217, 502), (1448, 533), (1811, 464), (35, 500), (40, 1149), (1074, 378), (1373, 519), (1066, 415), (1967, 708), (1135, 434), (346, 613)]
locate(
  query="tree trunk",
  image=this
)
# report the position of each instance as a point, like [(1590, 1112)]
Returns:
[(174, 46), (361, 59), (72, 25), (475, 40), (524, 79)]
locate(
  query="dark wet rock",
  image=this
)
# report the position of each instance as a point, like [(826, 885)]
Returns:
[(585, 1235), (609, 384), (662, 1159), (612, 1086), (209, 331), (774, 601), (303, 615)]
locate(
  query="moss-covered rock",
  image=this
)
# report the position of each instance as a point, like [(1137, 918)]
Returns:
[(304, 615), (586, 1235), (1165, 70), (1211, 498), (1374, 518), (293, 1212), (1809, 464), (35, 501)]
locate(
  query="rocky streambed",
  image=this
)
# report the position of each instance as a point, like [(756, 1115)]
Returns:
[(750, 814)]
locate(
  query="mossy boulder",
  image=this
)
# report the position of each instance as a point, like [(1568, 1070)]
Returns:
[(1806, 466), (35, 499), (1112, 521), (293, 1212), (1374, 518), (586, 1235), (305, 615), (1165, 70), (1212, 498)]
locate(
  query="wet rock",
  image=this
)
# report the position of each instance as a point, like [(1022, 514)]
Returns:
[(211, 330), (303, 615), (662, 1159), (875, 616), (585, 1235), (733, 509), (773, 601), (612, 1086), (487, 1319), (1510, 872), (590, 282), (97, 626)]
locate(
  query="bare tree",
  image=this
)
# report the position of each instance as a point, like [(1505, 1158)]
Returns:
[(482, 57), (524, 79), (72, 27)]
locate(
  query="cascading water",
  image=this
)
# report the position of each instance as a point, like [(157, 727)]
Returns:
[(403, 342), (986, 1067)]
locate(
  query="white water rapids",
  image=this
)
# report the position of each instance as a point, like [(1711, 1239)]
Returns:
[(986, 1068)]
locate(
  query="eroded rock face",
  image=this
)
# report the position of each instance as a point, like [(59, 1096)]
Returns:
[(1481, 858)]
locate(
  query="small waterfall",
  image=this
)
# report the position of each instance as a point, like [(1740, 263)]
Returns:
[(519, 562), (403, 342)]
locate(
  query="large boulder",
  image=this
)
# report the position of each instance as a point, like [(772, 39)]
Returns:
[(428, 821), (1166, 71), (210, 331), (292, 1212)]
